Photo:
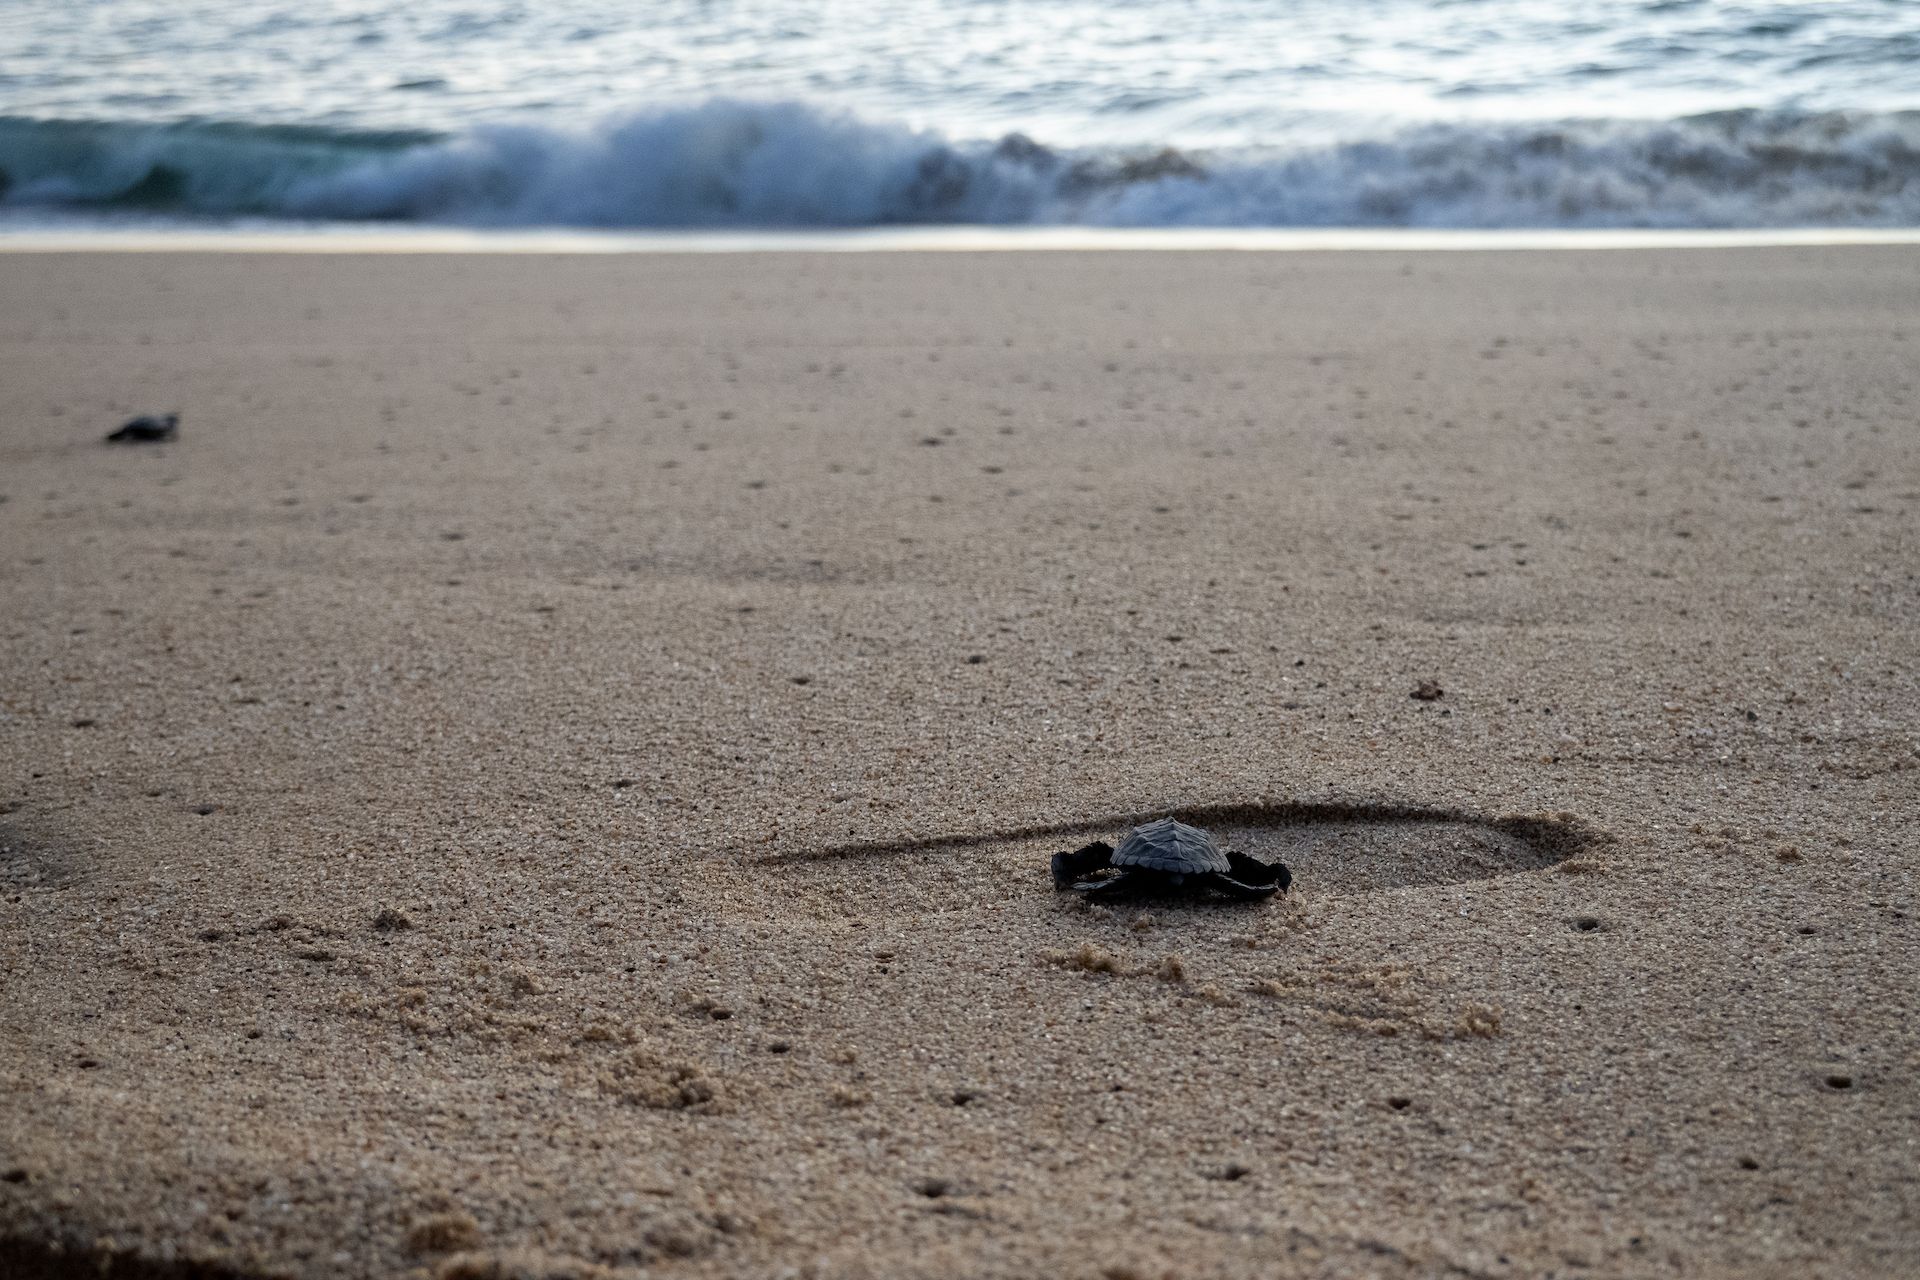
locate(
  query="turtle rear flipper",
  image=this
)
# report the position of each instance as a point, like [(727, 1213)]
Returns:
[(1084, 861)]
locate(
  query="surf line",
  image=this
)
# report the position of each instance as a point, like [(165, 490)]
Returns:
[(957, 239)]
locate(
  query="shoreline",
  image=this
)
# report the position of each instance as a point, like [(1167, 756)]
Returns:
[(354, 239)]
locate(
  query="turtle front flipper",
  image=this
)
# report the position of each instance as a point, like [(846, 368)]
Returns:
[(1251, 878), (1222, 883), (1068, 867), (1130, 883)]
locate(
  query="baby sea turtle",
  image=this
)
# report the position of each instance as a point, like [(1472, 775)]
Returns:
[(147, 430), (1167, 857)]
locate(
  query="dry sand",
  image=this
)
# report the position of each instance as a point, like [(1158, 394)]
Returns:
[(551, 774)]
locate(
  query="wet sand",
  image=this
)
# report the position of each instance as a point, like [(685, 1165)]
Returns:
[(552, 773)]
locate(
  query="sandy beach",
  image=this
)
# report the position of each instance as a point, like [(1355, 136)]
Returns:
[(552, 773)]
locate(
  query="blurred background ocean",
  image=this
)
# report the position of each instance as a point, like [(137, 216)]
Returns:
[(1136, 113)]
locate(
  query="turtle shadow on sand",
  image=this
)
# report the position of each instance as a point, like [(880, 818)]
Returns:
[(33, 858), (1331, 848)]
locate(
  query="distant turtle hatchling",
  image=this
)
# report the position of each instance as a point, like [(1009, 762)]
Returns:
[(1167, 857), (147, 430)]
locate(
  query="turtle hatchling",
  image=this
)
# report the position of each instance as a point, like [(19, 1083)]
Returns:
[(147, 430), (1167, 857)]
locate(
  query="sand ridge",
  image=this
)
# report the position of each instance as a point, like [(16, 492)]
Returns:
[(552, 773)]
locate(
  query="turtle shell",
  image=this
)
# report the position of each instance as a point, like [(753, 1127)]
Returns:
[(1166, 845)]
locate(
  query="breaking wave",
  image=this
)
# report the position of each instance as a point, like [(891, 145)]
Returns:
[(730, 164)]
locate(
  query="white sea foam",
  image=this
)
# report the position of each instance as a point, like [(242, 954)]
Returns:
[(788, 114), (732, 164)]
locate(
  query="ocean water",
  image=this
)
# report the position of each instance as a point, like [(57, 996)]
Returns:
[(1120, 113)]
